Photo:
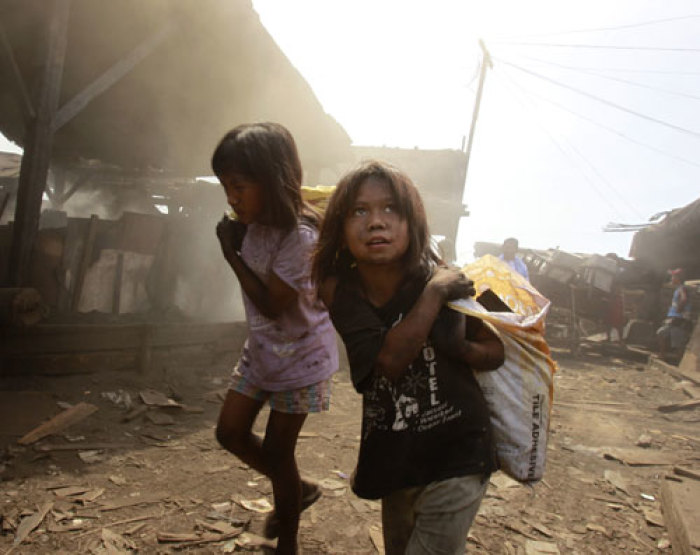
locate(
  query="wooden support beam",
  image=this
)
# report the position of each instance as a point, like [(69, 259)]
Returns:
[(20, 89), (118, 278), (84, 261), (77, 184), (76, 104), (4, 198), (37, 148)]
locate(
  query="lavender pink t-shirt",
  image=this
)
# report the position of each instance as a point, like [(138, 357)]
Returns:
[(299, 347)]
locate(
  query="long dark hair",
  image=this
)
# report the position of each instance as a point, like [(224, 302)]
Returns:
[(333, 259), (266, 154)]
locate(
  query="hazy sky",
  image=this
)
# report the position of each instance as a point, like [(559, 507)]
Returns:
[(595, 120), (565, 141)]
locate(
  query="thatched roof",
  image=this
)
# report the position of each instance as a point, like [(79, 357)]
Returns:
[(216, 67)]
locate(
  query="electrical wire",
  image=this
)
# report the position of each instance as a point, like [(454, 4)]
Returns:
[(556, 143), (602, 100), (614, 27), (624, 199), (613, 130), (602, 46), (615, 69), (618, 79)]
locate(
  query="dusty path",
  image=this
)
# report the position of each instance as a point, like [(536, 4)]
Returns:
[(137, 481)]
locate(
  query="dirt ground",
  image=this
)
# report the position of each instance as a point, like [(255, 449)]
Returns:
[(159, 483)]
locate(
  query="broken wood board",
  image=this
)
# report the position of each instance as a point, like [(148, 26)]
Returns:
[(190, 540), (536, 547), (59, 422), (598, 408), (47, 447), (691, 391), (113, 504), (687, 371), (24, 410), (641, 457), (683, 405), (29, 523), (687, 472), (154, 398), (680, 502)]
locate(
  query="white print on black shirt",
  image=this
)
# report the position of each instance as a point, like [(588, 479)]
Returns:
[(415, 398), (406, 410)]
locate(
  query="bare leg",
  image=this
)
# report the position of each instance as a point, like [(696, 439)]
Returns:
[(279, 445), (234, 430), (273, 457)]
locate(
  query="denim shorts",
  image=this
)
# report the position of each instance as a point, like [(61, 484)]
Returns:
[(432, 519), (312, 398)]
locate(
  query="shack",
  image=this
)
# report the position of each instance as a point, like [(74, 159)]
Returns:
[(118, 107)]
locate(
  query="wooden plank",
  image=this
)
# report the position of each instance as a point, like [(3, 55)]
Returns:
[(70, 363), (117, 292), (686, 472), (691, 391), (655, 363), (641, 457), (146, 345), (76, 104), (59, 422), (84, 261), (20, 88), (37, 148), (684, 405), (31, 522), (4, 199), (57, 339), (680, 502)]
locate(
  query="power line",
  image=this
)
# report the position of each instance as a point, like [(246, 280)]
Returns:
[(624, 199), (604, 101), (603, 197), (616, 27), (618, 79), (614, 131), (602, 46), (615, 69)]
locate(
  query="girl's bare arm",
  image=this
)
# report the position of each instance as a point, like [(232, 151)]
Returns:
[(484, 351), (271, 299)]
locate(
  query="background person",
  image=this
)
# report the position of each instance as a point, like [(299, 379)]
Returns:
[(509, 248), (675, 330)]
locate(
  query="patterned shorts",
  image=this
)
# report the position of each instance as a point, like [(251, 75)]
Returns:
[(312, 398)]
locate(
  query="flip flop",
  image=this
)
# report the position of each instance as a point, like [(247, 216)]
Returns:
[(272, 523)]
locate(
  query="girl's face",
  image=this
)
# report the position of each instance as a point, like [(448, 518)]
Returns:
[(374, 231), (244, 196)]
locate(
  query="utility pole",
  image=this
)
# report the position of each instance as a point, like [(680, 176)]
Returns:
[(486, 63)]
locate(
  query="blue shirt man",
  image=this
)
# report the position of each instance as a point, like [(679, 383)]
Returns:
[(510, 247)]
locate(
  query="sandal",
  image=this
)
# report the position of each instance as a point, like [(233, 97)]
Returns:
[(272, 523)]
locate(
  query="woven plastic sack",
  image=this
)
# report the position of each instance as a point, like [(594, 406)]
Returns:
[(318, 195), (519, 393)]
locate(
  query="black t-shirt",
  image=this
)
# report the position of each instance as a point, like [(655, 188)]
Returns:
[(432, 423)]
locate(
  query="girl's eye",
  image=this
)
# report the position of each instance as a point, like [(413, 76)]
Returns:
[(359, 211)]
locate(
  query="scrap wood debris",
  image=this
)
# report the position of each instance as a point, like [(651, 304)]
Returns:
[(59, 422)]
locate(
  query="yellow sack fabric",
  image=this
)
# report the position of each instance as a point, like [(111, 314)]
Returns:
[(519, 393), (318, 195)]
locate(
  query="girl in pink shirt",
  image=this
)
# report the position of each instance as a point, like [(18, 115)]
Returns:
[(290, 353)]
